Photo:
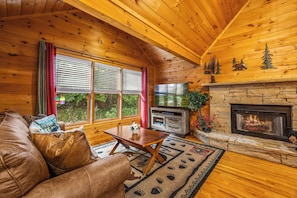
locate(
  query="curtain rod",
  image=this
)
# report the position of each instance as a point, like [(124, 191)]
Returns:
[(96, 57)]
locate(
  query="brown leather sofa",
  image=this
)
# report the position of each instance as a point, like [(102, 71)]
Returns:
[(24, 172)]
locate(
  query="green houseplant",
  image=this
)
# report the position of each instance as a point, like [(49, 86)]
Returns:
[(196, 101)]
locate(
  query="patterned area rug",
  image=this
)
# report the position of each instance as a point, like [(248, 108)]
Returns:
[(187, 166)]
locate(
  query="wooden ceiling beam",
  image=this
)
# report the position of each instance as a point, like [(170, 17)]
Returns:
[(125, 20)]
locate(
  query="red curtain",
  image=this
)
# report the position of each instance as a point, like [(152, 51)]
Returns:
[(50, 79), (144, 100)]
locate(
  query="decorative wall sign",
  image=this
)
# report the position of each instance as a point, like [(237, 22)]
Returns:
[(213, 66), (267, 61), (237, 66)]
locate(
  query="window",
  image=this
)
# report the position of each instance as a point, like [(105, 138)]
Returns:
[(73, 82), (107, 90), (116, 91), (131, 92)]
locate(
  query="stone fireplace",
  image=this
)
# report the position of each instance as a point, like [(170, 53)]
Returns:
[(257, 132)]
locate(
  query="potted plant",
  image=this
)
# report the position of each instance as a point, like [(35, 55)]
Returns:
[(196, 101)]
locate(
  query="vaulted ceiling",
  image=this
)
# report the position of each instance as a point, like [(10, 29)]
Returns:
[(185, 28)]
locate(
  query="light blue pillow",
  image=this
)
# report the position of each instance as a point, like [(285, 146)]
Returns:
[(45, 125)]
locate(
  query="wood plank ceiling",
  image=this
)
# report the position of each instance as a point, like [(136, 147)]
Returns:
[(185, 28)]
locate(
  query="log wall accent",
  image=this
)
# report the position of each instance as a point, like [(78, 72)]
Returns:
[(71, 30)]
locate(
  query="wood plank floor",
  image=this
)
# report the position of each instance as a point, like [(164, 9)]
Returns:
[(238, 175), (242, 176)]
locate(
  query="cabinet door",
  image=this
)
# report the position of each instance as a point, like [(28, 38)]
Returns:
[(174, 124)]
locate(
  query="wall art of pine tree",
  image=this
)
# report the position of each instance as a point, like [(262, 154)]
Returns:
[(267, 61), (218, 67)]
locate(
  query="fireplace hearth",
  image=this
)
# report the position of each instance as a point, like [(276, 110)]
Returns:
[(265, 121)]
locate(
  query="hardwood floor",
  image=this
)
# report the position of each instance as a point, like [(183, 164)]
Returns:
[(238, 175), (242, 176)]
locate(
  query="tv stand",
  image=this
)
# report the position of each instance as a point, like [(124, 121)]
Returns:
[(173, 120)]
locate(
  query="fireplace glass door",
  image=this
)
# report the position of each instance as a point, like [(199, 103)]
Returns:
[(266, 121)]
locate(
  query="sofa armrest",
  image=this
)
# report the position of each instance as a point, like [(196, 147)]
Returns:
[(98, 179)]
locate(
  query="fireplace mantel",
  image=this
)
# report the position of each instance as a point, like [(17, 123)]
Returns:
[(249, 82)]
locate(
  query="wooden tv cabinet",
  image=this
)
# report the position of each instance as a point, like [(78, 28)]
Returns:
[(173, 120)]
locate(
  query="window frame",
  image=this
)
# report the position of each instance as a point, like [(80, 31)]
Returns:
[(91, 96)]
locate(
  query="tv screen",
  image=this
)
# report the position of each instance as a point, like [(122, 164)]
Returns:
[(172, 95)]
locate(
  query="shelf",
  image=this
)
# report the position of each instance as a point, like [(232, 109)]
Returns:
[(249, 82)]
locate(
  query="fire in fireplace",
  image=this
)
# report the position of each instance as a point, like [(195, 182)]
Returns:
[(266, 121)]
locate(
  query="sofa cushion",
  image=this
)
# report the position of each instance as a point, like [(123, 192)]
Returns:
[(64, 151), (45, 124), (21, 164)]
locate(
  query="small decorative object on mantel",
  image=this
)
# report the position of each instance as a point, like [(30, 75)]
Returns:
[(213, 67), (267, 61), (238, 66), (134, 127)]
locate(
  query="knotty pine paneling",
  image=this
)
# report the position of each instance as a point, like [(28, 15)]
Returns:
[(260, 22), (77, 31)]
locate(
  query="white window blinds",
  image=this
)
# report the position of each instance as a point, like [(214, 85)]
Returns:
[(131, 81), (73, 75), (106, 78)]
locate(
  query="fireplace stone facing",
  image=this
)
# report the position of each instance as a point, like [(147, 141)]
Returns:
[(267, 94)]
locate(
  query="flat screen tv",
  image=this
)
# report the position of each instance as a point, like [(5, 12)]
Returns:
[(172, 95)]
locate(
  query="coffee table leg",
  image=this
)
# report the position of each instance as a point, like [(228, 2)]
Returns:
[(117, 144), (114, 148), (154, 154)]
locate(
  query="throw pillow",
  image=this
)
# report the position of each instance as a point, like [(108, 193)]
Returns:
[(64, 151), (45, 125)]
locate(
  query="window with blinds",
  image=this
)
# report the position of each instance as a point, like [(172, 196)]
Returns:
[(106, 78), (91, 88), (131, 82), (73, 75)]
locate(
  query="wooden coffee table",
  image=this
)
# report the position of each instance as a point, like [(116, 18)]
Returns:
[(144, 140)]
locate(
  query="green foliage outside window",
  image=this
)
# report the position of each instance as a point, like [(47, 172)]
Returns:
[(106, 106), (130, 104), (72, 107)]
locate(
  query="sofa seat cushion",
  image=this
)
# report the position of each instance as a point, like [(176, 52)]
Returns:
[(64, 151), (21, 164)]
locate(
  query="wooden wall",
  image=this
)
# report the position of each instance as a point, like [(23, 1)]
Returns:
[(260, 22), (77, 31)]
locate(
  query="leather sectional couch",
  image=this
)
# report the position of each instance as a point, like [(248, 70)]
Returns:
[(24, 172)]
